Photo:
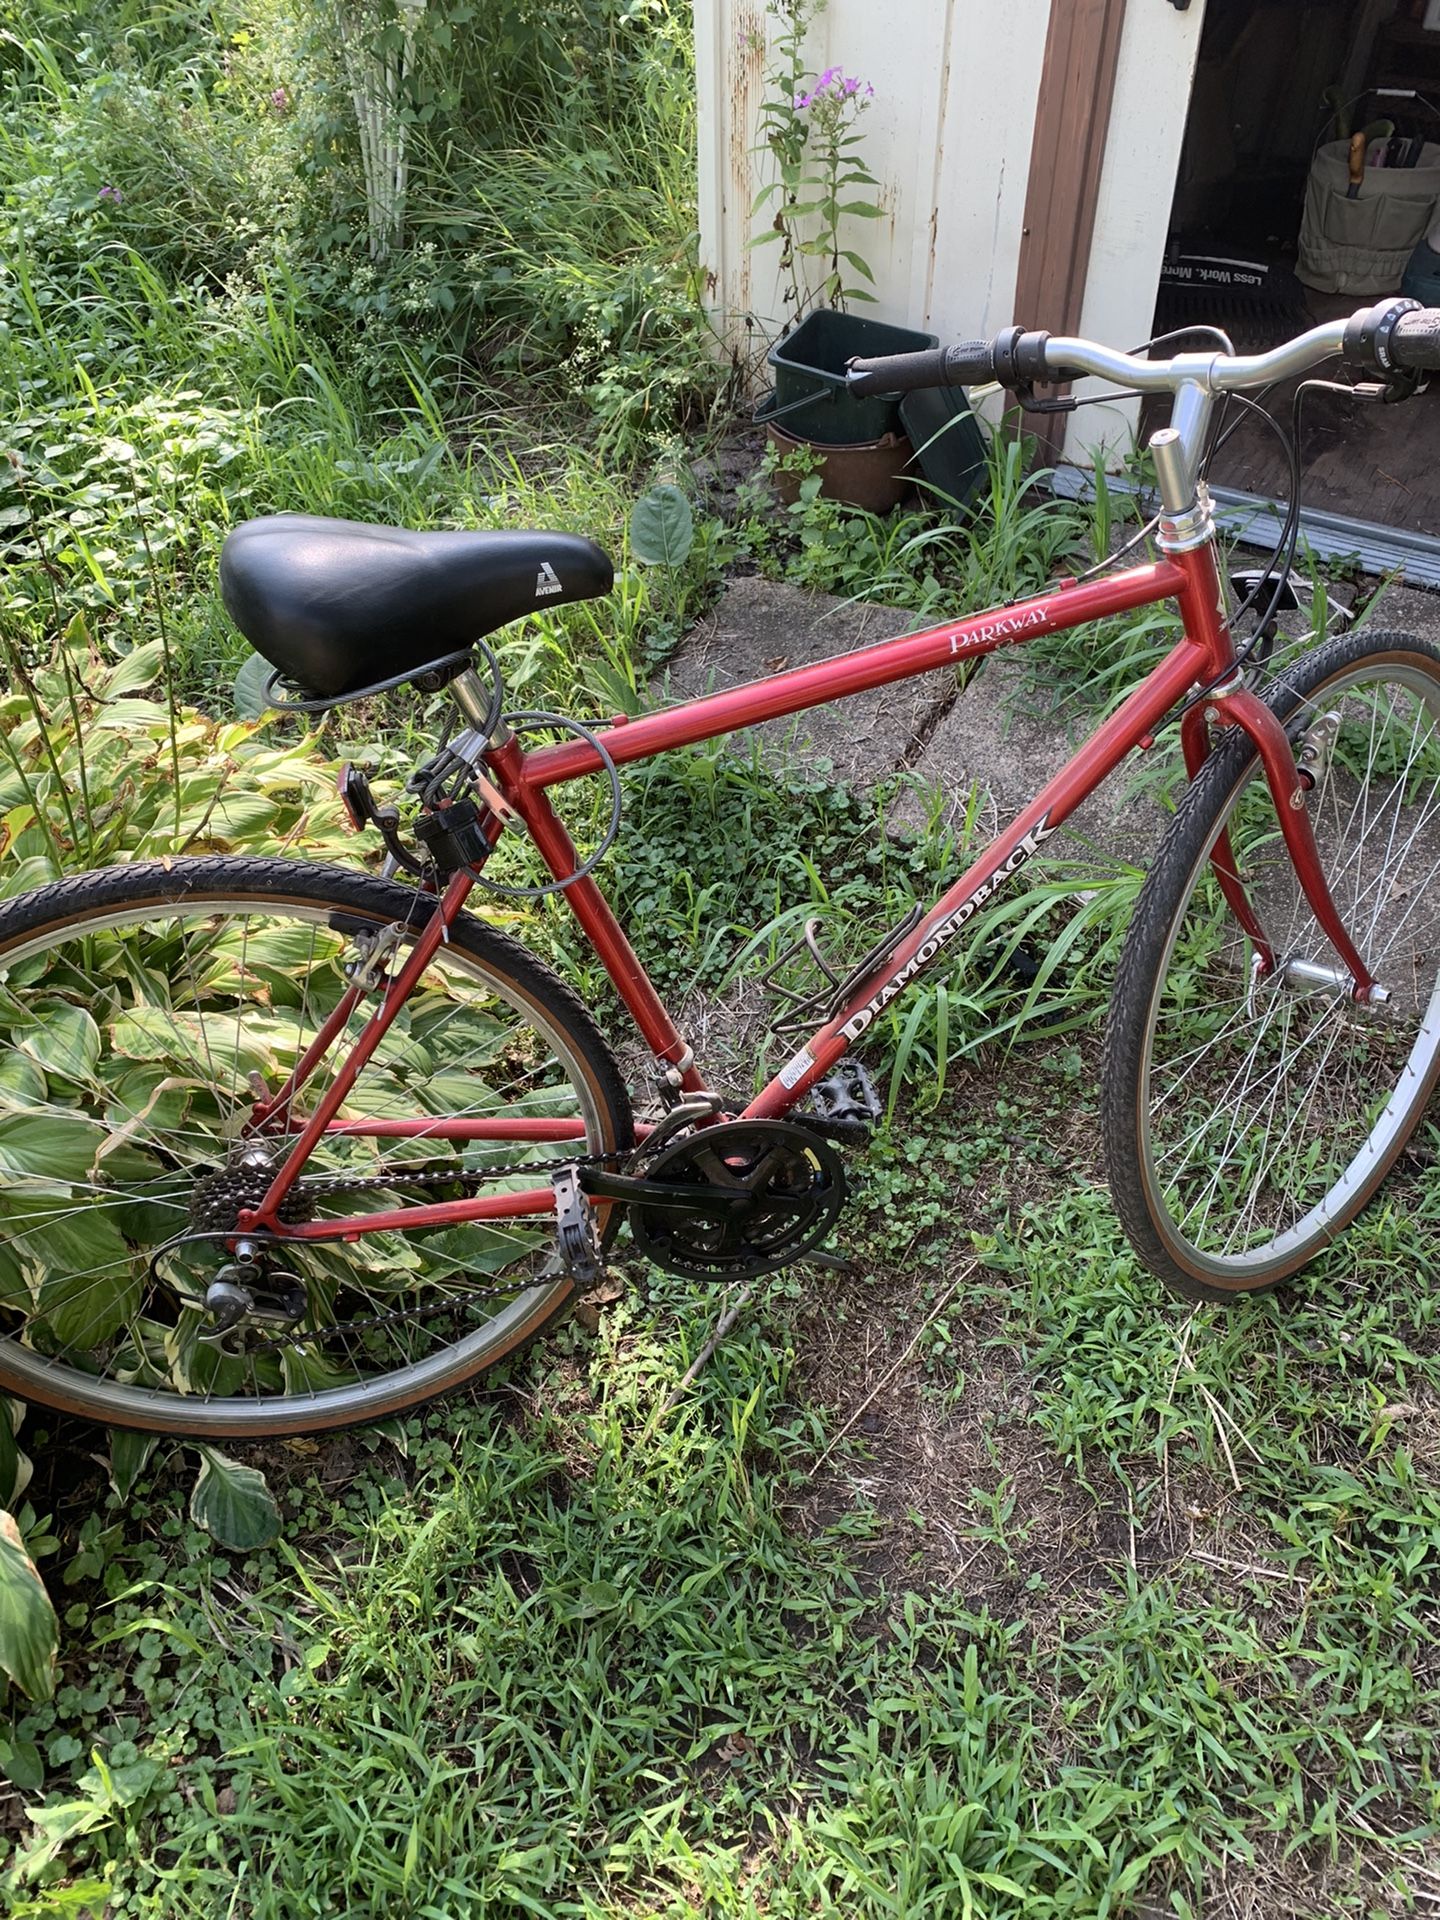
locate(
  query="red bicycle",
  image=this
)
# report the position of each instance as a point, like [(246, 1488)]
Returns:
[(345, 1146)]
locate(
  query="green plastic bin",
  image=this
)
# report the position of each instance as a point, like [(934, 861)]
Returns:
[(809, 368)]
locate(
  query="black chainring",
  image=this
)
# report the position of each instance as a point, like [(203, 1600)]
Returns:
[(796, 1185)]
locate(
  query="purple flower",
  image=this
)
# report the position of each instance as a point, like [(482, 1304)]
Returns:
[(280, 100), (112, 194), (833, 85)]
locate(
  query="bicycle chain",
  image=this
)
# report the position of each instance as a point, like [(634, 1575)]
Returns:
[(447, 1176), (421, 1177)]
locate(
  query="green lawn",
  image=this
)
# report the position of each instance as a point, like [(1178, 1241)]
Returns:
[(982, 1579), (1098, 1606)]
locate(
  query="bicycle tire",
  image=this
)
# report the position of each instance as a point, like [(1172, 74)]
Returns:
[(124, 921), (1235, 1150)]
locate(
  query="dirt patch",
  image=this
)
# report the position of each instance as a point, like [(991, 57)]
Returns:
[(967, 1501)]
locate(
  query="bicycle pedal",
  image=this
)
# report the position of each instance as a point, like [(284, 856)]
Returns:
[(577, 1244), (844, 1105)]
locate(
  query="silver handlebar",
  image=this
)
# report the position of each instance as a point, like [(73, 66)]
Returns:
[(1213, 372)]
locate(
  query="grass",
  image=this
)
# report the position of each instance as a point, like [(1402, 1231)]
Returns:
[(977, 1580), (1099, 1605)]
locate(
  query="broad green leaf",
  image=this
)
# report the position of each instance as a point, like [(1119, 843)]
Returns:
[(595, 1597), (22, 1084), (129, 1455), (233, 1503), (205, 1044), (147, 1102), (241, 817), (90, 1281), (662, 527), (308, 1370), (14, 1464), (21, 1764), (251, 700), (13, 1290), (138, 669), (481, 1249), (123, 1786), (65, 1041), (56, 1826), (48, 1146), (138, 720), (29, 1631), (20, 876)]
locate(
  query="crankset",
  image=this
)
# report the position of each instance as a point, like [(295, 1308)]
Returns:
[(731, 1201)]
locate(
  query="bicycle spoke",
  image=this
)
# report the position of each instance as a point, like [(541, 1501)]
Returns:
[(191, 999)]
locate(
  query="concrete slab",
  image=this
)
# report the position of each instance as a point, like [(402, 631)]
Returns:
[(995, 740), (985, 751), (761, 627), (1407, 610)]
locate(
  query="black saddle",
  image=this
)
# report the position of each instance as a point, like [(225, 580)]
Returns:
[(340, 607)]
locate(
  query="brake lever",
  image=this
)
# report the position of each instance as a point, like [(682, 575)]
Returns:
[(1059, 403)]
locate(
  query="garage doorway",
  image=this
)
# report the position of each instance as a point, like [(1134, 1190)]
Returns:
[(1266, 239)]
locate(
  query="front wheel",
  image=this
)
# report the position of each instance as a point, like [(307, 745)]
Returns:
[(1249, 1115), (144, 1012)]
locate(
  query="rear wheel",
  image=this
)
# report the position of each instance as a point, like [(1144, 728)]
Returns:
[(142, 1013), (1248, 1117)]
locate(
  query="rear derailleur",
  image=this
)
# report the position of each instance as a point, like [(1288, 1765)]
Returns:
[(246, 1294)]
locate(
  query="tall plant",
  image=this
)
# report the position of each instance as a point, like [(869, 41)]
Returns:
[(810, 136), (377, 47)]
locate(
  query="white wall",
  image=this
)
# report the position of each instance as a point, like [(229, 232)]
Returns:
[(949, 134), (1137, 184)]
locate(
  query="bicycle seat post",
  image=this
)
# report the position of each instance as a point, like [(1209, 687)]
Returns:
[(477, 702)]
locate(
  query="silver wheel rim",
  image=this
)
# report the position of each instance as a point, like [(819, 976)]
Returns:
[(119, 1402)]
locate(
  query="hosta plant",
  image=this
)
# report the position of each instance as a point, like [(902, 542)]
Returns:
[(97, 769)]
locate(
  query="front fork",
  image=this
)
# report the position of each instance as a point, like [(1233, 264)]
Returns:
[(1289, 784), (1189, 538)]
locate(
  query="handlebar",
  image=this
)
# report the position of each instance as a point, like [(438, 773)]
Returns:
[(1393, 336)]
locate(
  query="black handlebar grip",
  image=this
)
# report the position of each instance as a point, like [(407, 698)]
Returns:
[(1415, 341), (972, 363)]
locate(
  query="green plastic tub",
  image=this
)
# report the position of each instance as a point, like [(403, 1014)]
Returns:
[(809, 368)]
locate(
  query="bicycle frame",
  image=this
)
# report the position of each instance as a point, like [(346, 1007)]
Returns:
[(1204, 656)]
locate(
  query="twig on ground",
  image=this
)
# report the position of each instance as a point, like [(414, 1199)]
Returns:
[(1246, 1566), (890, 1372), (722, 1326), (1216, 1422)]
